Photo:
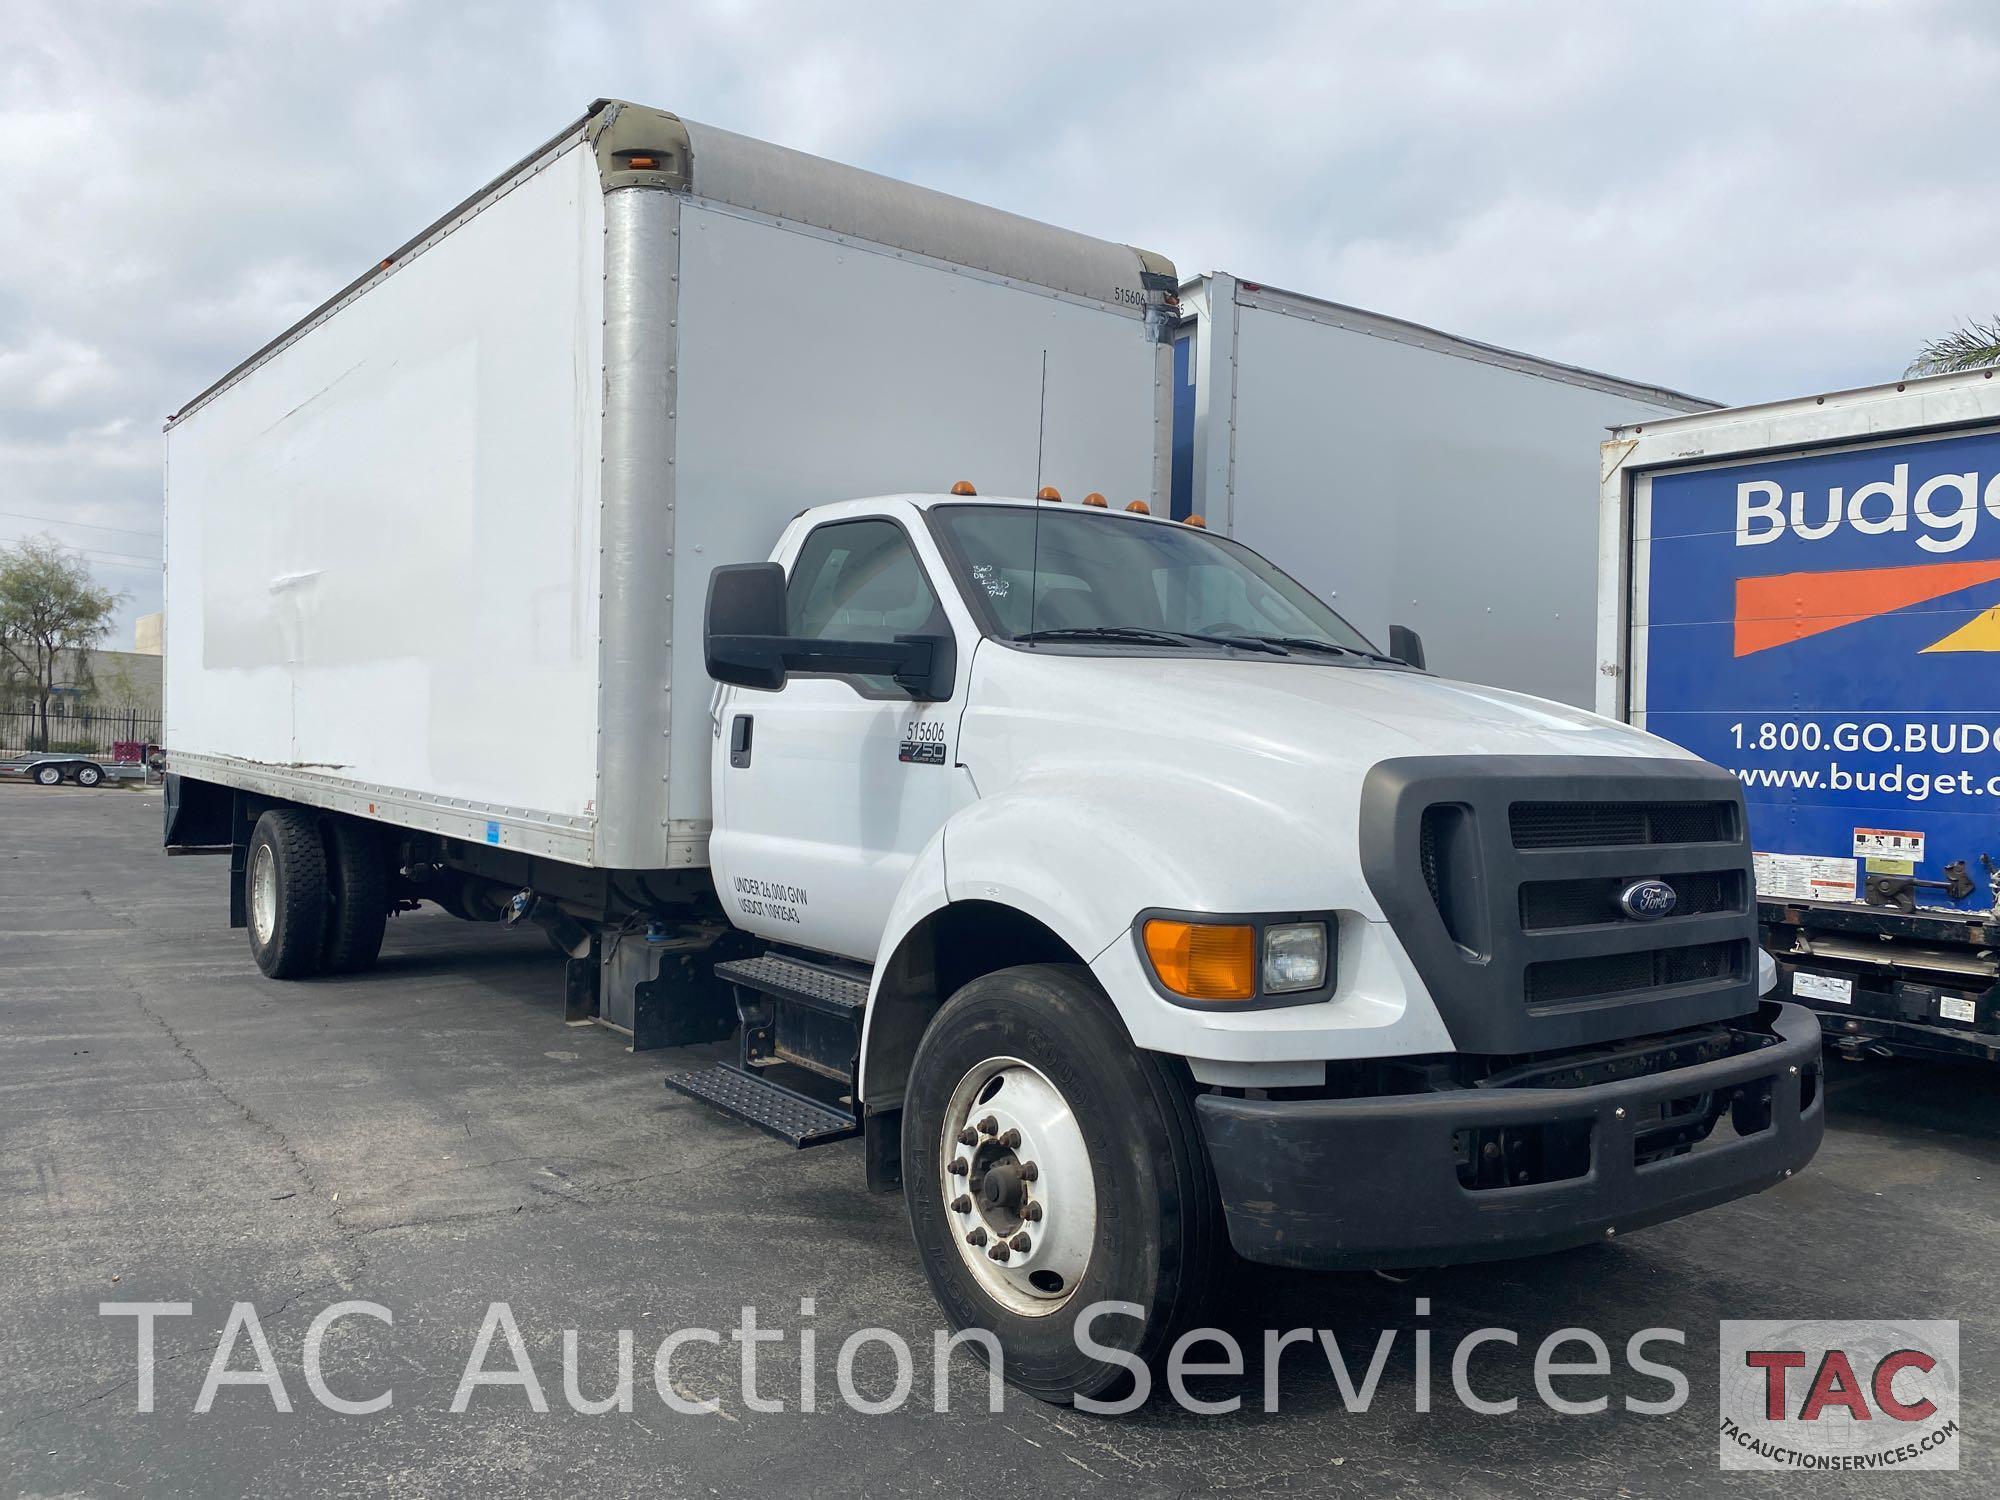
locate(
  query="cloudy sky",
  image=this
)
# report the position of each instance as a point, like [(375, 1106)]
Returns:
[(1745, 200)]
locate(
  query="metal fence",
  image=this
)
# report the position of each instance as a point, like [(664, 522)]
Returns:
[(74, 732)]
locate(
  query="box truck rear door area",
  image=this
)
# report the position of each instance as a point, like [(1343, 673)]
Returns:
[(1827, 625)]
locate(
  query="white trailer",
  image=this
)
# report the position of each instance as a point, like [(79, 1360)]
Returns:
[(1405, 473), (437, 554)]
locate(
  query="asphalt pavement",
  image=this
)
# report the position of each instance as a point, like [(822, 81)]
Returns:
[(431, 1138)]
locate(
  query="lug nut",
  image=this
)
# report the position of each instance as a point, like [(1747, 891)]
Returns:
[(1011, 1140), (1029, 1171), (958, 1167), (1021, 1243), (1000, 1253), (976, 1237), (988, 1126), (1032, 1213), (961, 1204), (968, 1137)]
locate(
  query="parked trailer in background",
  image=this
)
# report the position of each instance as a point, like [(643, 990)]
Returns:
[(1405, 474), (1808, 592)]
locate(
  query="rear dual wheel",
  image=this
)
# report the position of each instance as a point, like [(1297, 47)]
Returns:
[(316, 890), (1049, 1166)]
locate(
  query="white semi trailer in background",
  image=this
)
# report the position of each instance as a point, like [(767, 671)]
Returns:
[(1125, 900), (1405, 474)]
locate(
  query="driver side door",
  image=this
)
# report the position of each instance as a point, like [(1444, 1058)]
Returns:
[(827, 789)]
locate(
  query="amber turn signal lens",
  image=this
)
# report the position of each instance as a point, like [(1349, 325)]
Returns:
[(1203, 961)]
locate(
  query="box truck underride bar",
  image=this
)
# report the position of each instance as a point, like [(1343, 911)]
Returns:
[(1128, 904), (1808, 592)]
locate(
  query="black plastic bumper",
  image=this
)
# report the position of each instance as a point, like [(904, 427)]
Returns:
[(1375, 1181)]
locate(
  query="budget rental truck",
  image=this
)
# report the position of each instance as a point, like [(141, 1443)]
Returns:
[(1808, 593), (1128, 904)]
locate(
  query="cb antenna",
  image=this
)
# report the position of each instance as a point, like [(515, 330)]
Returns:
[(1035, 544)]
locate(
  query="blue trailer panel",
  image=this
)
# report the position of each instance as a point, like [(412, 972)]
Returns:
[(1827, 625)]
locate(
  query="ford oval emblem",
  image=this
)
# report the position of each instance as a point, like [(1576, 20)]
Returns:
[(1648, 900)]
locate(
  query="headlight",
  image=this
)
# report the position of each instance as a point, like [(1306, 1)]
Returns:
[(1294, 957), (1240, 959)]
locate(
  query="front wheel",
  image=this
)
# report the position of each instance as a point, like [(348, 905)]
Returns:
[(48, 775), (1049, 1166)]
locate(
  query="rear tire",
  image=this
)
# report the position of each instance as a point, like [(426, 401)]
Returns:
[(358, 883), (1129, 1146), (285, 892), (88, 775)]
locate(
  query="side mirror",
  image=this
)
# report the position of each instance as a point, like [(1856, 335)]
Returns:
[(1406, 646), (744, 625), (745, 644)]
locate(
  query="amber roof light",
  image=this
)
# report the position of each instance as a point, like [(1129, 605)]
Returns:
[(964, 487), (1049, 492)]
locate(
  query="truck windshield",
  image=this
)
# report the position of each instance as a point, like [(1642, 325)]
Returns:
[(1130, 583)]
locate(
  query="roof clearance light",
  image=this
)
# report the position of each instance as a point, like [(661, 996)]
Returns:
[(1196, 521), (1140, 508), (1093, 498), (641, 163), (1203, 961), (964, 487), (1049, 492)]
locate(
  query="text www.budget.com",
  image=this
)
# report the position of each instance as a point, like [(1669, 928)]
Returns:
[(1912, 786)]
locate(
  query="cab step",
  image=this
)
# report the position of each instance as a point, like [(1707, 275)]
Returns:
[(785, 1113), (805, 1012)]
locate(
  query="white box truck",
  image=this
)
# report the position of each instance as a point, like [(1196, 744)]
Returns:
[(1808, 593), (1124, 899), (1405, 474)]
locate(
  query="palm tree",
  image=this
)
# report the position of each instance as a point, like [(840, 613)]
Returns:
[(1972, 347)]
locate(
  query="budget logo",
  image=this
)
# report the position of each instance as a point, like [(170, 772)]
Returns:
[(1780, 608), (1853, 1394)]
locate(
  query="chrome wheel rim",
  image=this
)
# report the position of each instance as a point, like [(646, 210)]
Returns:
[(1019, 1192), (263, 894)]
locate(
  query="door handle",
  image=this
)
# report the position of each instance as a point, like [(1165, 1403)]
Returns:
[(739, 741)]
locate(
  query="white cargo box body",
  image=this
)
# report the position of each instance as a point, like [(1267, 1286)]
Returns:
[(1406, 475), (438, 555)]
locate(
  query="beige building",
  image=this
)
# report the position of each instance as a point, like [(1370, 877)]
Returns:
[(149, 634)]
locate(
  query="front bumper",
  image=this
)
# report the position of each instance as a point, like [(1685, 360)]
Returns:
[(1376, 1181)]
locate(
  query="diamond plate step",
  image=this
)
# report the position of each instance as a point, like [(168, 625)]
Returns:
[(777, 1111), (794, 980)]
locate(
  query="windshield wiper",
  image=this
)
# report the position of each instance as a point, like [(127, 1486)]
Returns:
[(1142, 634), (1331, 648)]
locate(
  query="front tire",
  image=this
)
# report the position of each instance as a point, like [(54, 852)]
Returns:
[(285, 891), (48, 775), (1032, 1063)]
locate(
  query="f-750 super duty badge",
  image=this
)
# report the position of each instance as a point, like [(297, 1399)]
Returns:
[(923, 743)]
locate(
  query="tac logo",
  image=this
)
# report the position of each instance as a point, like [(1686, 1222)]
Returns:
[(1839, 1394), (1785, 607)]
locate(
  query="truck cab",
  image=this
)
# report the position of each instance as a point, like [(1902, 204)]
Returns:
[(1130, 902)]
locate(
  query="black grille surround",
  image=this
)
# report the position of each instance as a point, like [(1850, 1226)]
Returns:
[(1500, 876)]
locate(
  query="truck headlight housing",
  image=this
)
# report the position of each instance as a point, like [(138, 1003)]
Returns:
[(1237, 960), (1294, 957)]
